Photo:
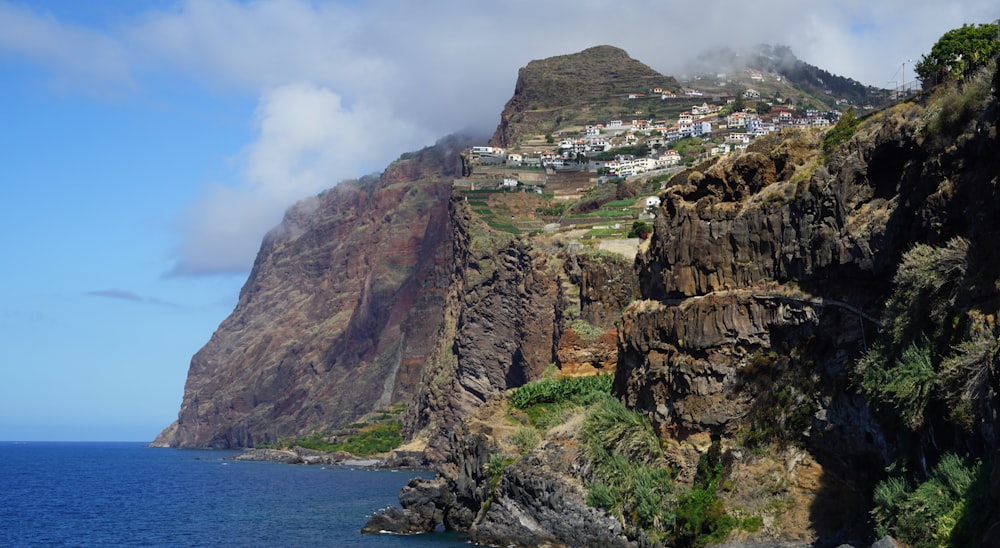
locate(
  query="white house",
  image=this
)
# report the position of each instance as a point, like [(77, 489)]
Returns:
[(702, 110), (514, 159), (736, 119), (652, 202), (509, 182), (751, 94), (670, 158), (717, 150)]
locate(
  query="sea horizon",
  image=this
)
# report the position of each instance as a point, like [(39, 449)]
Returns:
[(125, 493)]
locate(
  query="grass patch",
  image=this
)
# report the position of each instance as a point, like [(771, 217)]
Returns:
[(628, 202), (548, 401), (579, 390), (586, 331)]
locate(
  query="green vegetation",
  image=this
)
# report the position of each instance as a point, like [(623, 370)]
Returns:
[(690, 148), (633, 482), (929, 372), (959, 104), (905, 373), (495, 467), (784, 404), (841, 132), (957, 53), (377, 432), (548, 401), (701, 516), (578, 390), (586, 331), (640, 229), (949, 508), (630, 480), (638, 151), (554, 209), (627, 202), (525, 439), (366, 440)]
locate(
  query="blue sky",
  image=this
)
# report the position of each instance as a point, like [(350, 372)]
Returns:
[(146, 146)]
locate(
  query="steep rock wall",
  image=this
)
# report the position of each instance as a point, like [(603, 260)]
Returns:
[(767, 277), (337, 316), (499, 330)]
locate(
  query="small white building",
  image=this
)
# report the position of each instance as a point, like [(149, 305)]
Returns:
[(652, 202)]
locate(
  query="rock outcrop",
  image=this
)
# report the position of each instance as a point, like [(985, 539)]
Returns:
[(766, 279), (539, 499)]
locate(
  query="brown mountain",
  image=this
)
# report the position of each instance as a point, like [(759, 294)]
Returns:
[(337, 316), (569, 89)]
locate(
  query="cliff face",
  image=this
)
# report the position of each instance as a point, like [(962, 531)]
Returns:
[(338, 314), (505, 322), (766, 251), (770, 274)]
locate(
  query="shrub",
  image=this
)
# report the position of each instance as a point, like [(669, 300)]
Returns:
[(965, 377), (377, 438), (950, 507), (960, 104), (630, 480), (640, 229), (926, 285), (525, 438), (841, 132), (579, 390), (586, 331)]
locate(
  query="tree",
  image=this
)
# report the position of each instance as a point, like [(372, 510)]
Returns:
[(958, 52), (640, 230)]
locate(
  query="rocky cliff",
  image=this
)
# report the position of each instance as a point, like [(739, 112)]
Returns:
[(778, 279), (508, 316), (338, 314)]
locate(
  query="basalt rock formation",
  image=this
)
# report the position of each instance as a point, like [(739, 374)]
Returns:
[(769, 275), (505, 322)]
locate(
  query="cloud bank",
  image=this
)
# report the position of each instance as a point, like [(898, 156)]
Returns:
[(343, 87)]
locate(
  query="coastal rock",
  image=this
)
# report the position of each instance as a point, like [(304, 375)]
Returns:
[(539, 500)]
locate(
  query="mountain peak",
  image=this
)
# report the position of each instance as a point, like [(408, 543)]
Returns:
[(589, 81)]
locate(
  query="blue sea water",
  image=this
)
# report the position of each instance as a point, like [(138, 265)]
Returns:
[(126, 494)]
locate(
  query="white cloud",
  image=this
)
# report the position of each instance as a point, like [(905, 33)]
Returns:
[(307, 141)]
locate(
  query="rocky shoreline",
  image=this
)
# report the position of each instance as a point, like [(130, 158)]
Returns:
[(299, 455)]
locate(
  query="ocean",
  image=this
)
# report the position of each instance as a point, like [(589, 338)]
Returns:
[(126, 494)]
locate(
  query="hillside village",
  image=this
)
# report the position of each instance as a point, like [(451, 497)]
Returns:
[(572, 164)]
